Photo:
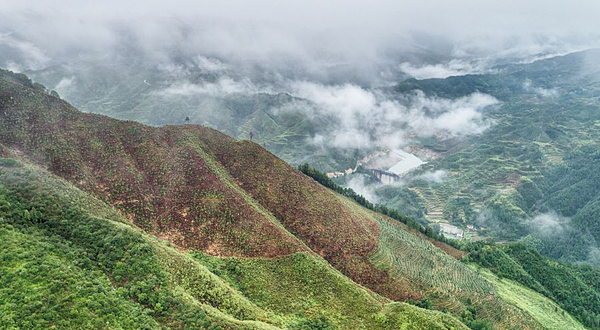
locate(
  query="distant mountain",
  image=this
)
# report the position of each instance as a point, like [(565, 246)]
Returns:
[(533, 171), (498, 181), (183, 93), (109, 223)]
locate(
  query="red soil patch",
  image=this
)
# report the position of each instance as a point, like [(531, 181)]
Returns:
[(156, 177), (308, 210)]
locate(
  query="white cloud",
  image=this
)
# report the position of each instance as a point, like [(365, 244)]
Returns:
[(14, 67), (549, 224), (541, 92), (362, 117), (361, 42), (65, 84), (210, 65), (223, 86), (359, 184), (437, 176), (455, 67), (31, 56)]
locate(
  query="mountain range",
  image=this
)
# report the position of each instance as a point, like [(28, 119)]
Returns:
[(113, 224)]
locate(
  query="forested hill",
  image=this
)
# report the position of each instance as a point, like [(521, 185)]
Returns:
[(113, 224)]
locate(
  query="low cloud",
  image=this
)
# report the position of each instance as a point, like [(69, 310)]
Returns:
[(437, 176), (65, 84), (358, 42), (539, 91), (359, 184), (549, 224), (28, 54), (594, 255), (223, 86), (362, 117), (454, 67), (210, 65)]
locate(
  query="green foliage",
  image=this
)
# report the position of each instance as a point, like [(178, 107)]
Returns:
[(481, 325), (504, 266), (81, 271), (572, 189), (541, 308), (318, 323), (570, 286), (45, 282), (453, 286), (308, 293)]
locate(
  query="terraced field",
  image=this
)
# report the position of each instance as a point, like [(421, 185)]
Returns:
[(443, 280), (421, 262)]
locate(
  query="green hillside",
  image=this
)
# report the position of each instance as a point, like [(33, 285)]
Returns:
[(110, 223), (573, 287), (544, 310), (90, 272)]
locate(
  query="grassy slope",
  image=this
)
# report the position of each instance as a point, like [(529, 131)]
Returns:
[(573, 287), (88, 269), (271, 283), (204, 191), (544, 310), (58, 248)]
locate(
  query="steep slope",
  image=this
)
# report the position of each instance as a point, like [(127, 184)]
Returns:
[(161, 179), (204, 191), (87, 267), (547, 312), (573, 287), (83, 271), (572, 190), (372, 249)]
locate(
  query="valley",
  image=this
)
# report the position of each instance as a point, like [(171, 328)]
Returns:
[(228, 165), (487, 185), (200, 268)]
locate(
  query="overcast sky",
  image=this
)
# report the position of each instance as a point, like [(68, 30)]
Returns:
[(437, 16), (331, 53), (302, 32)]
